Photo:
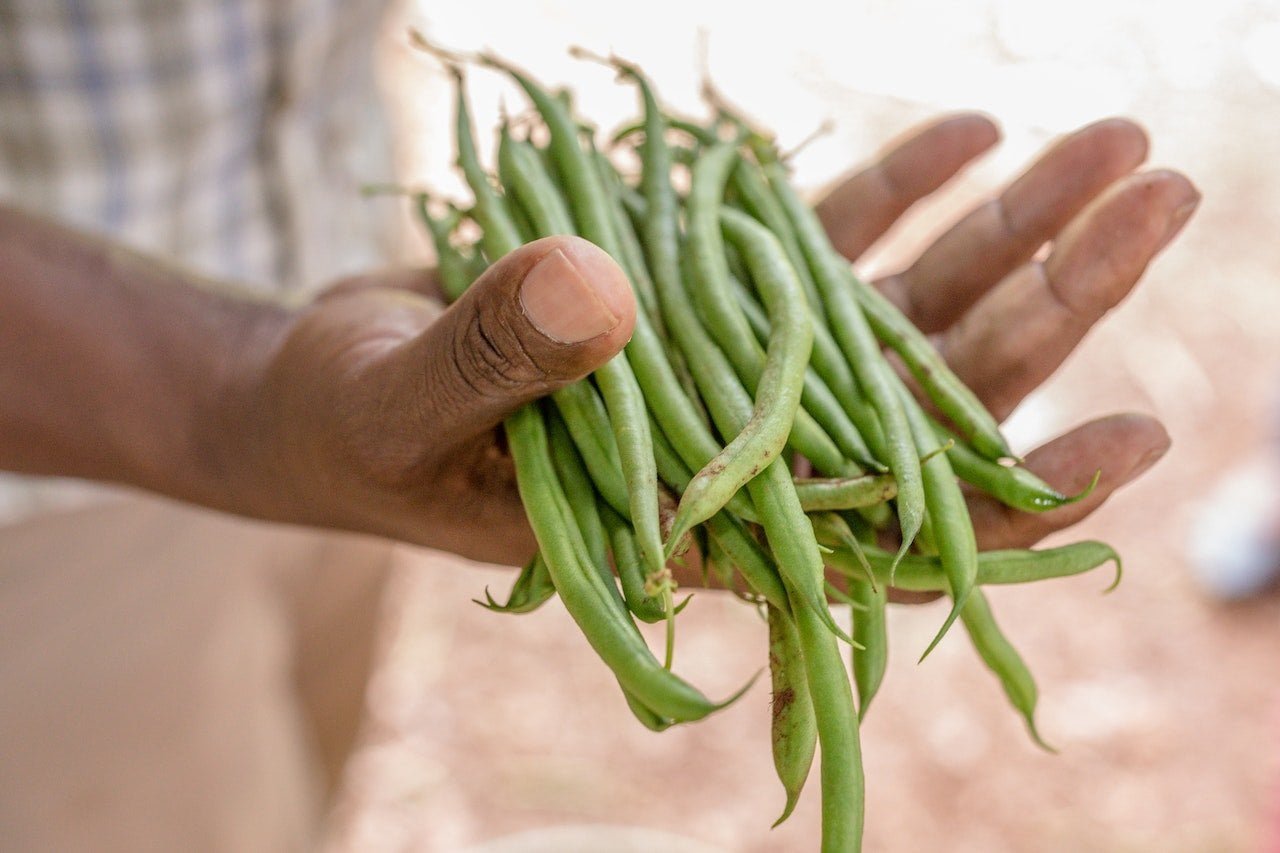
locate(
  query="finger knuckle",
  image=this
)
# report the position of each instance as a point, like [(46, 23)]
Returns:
[(493, 358)]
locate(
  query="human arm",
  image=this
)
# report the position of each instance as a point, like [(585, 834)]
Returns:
[(370, 409)]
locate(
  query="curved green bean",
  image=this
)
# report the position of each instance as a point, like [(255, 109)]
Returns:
[(952, 397), (778, 389), (603, 623), (925, 574), (855, 338), (793, 728), (1003, 659), (822, 493), (582, 498), (870, 631), (818, 399), (948, 513), (1012, 485), (626, 558), (532, 589)]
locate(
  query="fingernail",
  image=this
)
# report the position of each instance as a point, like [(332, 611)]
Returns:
[(1148, 459), (560, 301), (1179, 218)]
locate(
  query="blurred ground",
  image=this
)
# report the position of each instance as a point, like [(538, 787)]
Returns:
[(1165, 706)]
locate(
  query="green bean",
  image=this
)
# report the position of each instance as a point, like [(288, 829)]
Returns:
[(757, 199), (630, 570), (725, 531), (451, 266), (793, 729), (587, 419), (1012, 485), (500, 233), (1003, 659), (867, 493), (530, 591), (796, 553), (853, 333), (629, 241), (843, 787), (651, 721), (818, 398), (870, 631), (777, 399), (525, 177), (924, 574), (719, 311), (951, 529), (582, 498), (609, 631), (952, 397), (822, 493)]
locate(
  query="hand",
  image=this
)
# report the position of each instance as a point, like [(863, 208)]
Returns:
[(376, 408), (1004, 320)]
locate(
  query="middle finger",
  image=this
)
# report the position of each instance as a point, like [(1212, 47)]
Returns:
[(995, 238)]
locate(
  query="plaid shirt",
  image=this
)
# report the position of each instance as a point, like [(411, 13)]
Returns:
[(229, 135)]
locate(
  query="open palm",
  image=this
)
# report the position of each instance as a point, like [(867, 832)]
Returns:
[(1005, 319)]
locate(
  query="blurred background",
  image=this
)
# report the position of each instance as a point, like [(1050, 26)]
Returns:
[(1164, 701)]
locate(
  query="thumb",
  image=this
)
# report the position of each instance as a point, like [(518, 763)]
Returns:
[(543, 316)]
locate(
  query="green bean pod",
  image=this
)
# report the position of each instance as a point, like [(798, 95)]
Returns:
[(778, 390), (1003, 659), (853, 334), (626, 558), (951, 529), (1012, 485), (870, 631), (651, 721), (725, 531), (582, 498), (525, 178), (500, 232), (818, 398), (451, 265), (843, 785), (773, 494), (793, 728), (532, 589), (952, 397), (824, 493), (917, 573), (604, 624)]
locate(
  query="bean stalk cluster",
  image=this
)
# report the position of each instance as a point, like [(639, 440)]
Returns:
[(755, 347)]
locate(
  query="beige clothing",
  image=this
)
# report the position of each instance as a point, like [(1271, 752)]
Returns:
[(172, 679), (176, 679)]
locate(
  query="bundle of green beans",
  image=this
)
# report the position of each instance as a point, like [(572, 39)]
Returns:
[(754, 345)]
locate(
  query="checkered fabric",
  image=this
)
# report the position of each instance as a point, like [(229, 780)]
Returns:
[(229, 135), (232, 135)]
